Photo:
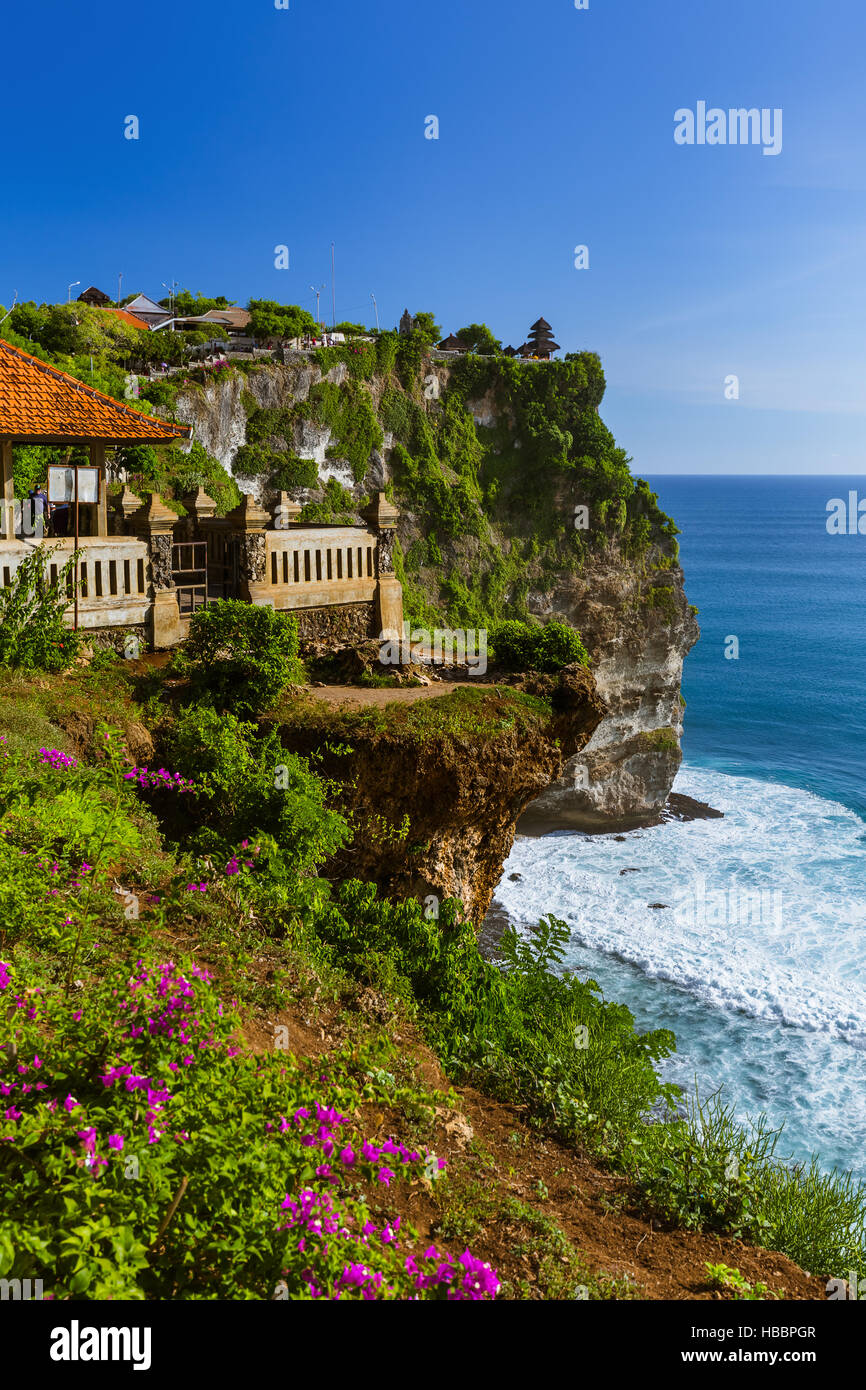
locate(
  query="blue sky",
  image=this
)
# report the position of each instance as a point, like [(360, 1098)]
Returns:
[(261, 127)]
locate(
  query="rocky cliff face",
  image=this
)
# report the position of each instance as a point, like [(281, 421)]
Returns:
[(219, 416), (631, 611), (637, 629), (434, 800)]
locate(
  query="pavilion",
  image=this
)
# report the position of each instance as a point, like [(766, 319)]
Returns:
[(138, 578), (39, 404)]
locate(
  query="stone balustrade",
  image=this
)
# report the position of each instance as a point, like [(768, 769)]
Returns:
[(115, 586), (128, 580)]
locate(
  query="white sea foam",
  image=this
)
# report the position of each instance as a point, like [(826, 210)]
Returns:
[(765, 910), (758, 961)]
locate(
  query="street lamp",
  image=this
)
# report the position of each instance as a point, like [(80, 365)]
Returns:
[(171, 289), (70, 289), (376, 307), (334, 284), (317, 293)]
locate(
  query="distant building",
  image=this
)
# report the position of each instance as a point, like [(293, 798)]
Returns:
[(407, 324), (232, 323), (540, 342), (126, 317), (154, 315), (452, 344), (510, 351), (94, 297), (234, 319)]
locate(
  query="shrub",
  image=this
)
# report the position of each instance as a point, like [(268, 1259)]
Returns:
[(522, 647), (289, 471), (241, 657), (32, 631), (146, 1108), (247, 785), (525, 1033)]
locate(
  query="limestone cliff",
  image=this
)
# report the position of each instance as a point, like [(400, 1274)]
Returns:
[(638, 631), (515, 501)]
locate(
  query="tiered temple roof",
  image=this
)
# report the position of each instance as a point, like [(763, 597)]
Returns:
[(540, 341)]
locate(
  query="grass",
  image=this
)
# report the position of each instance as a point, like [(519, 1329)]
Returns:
[(480, 714)]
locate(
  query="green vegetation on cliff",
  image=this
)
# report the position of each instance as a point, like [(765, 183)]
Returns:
[(151, 923)]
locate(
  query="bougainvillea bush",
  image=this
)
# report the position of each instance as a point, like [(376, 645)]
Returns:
[(151, 1157), (144, 1151)]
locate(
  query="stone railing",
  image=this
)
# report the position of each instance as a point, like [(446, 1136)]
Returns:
[(128, 580), (317, 566), (114, 577)]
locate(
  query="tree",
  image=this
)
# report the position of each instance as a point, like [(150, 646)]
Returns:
[(190, 306), (29, 320), (478, 338), (268, 319), (427, 328)]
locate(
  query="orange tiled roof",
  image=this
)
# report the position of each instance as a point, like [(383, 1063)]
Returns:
[(127, 317), (39, 402)]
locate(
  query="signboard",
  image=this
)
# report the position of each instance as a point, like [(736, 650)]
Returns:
[(61, 484)]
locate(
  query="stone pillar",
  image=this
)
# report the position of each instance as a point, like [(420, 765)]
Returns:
[(248, 521), (155, 523), (199, 509), (286, 513), (389, 591), (97, 460), (8, 500), (123, 508)]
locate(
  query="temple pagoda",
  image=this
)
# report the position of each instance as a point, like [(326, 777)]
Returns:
[(540, 342)]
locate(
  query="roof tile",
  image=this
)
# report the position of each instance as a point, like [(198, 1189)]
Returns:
[(37, 401)]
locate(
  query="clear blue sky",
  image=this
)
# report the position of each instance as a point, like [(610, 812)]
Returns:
[(261, 126)]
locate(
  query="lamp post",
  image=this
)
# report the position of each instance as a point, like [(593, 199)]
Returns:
[(333, 285), (70, 289), (119, 284), (317, 293), (376, 307), (171, 289)]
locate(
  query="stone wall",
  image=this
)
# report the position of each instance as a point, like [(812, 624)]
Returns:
[(328, 629), (114, 639)]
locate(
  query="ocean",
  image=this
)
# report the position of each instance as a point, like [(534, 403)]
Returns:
[(757, 960)]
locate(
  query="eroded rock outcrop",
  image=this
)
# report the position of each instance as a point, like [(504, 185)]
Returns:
[(638, 629), (459, 778)]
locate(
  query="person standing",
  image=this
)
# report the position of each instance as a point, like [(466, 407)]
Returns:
[(39, 510)]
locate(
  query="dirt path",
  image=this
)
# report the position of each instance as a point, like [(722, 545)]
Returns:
[(362, 696)]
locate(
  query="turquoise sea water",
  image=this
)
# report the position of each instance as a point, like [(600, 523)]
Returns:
[(758, 960)]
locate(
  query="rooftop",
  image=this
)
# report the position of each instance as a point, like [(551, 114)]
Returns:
[(127, 317), (40, 404)]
